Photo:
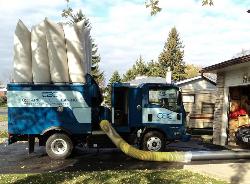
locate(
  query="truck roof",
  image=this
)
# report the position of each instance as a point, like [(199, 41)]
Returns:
[(119, 84)]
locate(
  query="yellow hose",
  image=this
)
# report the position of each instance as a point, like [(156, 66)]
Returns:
[(140, 154)]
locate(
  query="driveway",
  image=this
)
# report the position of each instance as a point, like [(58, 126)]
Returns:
[(15, 159), (234, 172)]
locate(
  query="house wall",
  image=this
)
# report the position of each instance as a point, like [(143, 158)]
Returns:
[(200, 84), (196, 117), (204, 92), (220, 113), (235, 77)]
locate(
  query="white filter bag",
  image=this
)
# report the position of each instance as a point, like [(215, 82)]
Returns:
[(82, 35), (74, 53), (88, 48), (89, 63), (40, 59), (22, 54), (56, 52)]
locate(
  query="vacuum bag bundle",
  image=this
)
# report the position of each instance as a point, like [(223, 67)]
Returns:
[(52, 53)]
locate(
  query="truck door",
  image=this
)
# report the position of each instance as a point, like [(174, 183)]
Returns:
[(162, 106), (135, 106)]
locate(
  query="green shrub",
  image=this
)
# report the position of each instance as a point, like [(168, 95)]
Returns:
[(3, 100)]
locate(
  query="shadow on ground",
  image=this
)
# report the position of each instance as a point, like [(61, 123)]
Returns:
[(15, 159)]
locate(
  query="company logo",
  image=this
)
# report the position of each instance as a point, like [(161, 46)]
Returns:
[(162, 115), (49, 94)]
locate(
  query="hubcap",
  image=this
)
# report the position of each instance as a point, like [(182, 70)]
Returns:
[(154, 144), (59, 146)]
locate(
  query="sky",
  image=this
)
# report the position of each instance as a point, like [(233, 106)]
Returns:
[(124, 29)]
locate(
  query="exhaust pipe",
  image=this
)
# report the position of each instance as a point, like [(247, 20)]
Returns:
[(168, 156)]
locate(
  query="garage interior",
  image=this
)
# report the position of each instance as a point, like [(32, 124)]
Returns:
[(239, 110)]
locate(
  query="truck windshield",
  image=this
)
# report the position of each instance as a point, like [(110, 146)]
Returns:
[(165, 98)]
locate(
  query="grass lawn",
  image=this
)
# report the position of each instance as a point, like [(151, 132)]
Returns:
[(132, 176), (4, 106), (3, 118)]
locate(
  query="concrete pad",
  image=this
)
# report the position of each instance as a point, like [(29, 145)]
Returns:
[(234, 173)]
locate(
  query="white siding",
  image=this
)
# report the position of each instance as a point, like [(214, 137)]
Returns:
[(200, 84), (235, 77)]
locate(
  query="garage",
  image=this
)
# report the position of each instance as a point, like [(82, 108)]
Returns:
[(232, 104)]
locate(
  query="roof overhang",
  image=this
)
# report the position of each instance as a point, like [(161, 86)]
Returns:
[(235, 63)]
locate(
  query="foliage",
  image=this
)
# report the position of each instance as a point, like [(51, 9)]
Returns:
[(112, 176), (3, 101), (3, 134), (140, 68), (72, 17), (153, 69), (172, 56), (97, 74), (207, 2), (243, 52), (3, 118), (155, 8), (114, 78), (192, 70)]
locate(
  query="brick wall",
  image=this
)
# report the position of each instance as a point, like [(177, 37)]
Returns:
[(218, 113)]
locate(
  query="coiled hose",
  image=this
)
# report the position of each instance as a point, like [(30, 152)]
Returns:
[(140, 154)]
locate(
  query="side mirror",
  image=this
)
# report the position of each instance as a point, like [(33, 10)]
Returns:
[(138, 107)]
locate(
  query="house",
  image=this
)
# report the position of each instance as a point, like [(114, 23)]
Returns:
[(198, 96), (232, 104)]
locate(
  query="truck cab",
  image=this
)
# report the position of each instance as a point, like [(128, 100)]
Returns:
[(153, 112)]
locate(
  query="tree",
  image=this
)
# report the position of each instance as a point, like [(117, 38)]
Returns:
[(192, 70), (73, 17), (172, 56), (140, 68), (114, 78), (97, 74), (154, 5), (243, 52), (129, 75)]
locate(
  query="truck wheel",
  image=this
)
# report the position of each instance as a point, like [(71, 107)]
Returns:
[(154, 141), (59, 146)]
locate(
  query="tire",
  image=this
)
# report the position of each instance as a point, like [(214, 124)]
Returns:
[(153, 141), (243, 137), (59, 146)]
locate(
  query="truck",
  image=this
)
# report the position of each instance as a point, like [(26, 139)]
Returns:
[(62, 116)]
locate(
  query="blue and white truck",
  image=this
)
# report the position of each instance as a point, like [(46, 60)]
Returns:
[(64, 115)]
